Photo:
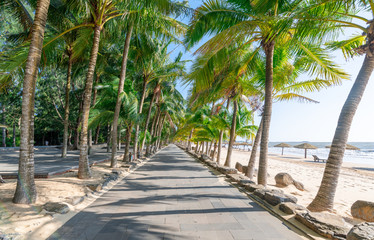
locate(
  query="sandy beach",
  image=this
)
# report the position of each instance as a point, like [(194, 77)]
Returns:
[(31, 221), (356, 182)]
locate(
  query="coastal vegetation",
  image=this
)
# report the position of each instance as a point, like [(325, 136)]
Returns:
[(76, 73)]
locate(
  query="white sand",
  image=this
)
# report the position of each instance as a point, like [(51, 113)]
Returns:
[(353, 184), (32, 222)]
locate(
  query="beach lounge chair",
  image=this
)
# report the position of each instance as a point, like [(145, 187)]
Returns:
[(317, 159)]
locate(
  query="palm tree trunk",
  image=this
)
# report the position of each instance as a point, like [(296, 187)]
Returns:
[(94, 97), (252, 159), (25, 190), (232, 135), (221, 137), (84, 167), (14, 135), (3, 130), (158, 142), (147, 120), (108, 138), (97, 134), (67, 107), (139, 113), (266, 117), (79, 120), (197, 147), (324, 200), (219, 146), (126, 155), (214, 150), (121, 84), (210, 148), (155, 123), (119, 137), (189, 141)]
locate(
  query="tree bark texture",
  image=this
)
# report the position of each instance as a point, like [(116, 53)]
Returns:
[(324, 200), (266, 117), (126, 155), (97, 134), (14, 135), (155, 122), (84, 167), (219, 146), (189, 140), (147, 121), (232, 135), (252, 159), (67, 106), (3, 130), (121, 84), (137, 127), (25, 190), (79, 121)]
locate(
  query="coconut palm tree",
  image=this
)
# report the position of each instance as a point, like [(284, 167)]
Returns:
[(361, 44), (161, 72), (270, 24), (154, 20), (25, 190)]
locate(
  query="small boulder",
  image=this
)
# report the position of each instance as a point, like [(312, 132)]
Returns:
[(244, 181), (283, 179), (261, 192), (75, 200), (204, 157), (274, 197), (56, 207), (245, 168), (362, 231), (291, 208), (239, 167), (253, 187), (299, 185), (326, 224), (363, 210), (227, 170), (211, 163), (94, 187)]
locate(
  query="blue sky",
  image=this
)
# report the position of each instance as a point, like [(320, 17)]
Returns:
[(293, 121)]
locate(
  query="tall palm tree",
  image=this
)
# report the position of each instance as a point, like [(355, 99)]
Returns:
[(25, 190), (357, 45), (153, 19), (121, 83), (269, 23)]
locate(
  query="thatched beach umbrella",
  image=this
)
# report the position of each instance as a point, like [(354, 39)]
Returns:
[(347, 147), (305, 146), (283, 145)]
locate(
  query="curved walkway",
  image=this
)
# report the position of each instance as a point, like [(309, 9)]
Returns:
[(174, 197)]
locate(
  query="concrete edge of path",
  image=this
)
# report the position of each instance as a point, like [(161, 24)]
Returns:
[(307, 234), (46, 230)]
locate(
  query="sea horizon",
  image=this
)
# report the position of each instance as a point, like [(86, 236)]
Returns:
[(365, 154)]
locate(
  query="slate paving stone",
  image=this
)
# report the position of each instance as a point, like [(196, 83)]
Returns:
[(174, 197)]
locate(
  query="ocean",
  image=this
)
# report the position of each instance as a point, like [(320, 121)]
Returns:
[(363, 156)]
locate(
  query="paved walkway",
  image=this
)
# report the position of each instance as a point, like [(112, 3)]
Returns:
[(48, 159), (174, 197)]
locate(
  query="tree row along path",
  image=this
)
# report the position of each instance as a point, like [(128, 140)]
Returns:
[(174, 197)]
